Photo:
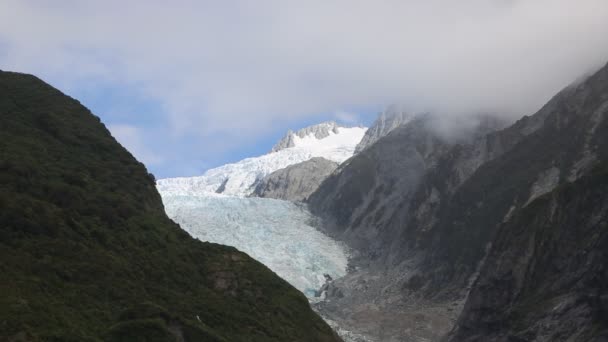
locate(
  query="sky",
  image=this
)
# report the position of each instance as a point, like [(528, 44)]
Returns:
[(190, 85)]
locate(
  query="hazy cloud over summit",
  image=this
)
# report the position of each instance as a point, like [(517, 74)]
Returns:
[(238, 67)]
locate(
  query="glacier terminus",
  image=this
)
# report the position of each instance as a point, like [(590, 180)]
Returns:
[(216, 207)]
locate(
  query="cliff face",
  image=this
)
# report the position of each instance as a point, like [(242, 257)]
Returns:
[(446, 204), (365, 191), (364, 200), (546, 276), (89, 254), (296, 182), (571, 139)]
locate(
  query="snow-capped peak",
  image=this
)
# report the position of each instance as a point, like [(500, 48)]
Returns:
[(319, 132), (327, 140)]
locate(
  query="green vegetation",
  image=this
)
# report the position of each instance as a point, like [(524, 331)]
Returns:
[(88, 253)]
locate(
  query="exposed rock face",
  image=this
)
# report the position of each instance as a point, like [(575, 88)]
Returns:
[(363, 202), (240, 178), (364, 196), (468, 218), (424, 212), (319, 131), (546, 276), (387, 121), (296, 182)]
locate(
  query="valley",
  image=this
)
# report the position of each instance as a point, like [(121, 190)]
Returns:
[(414, 214), (317, 171), (496, 231)]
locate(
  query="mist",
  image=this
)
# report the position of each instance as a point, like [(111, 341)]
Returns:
[(239, 68)]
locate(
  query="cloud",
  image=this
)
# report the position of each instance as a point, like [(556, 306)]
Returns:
[(238, 68), (348, 118), (131, 138)]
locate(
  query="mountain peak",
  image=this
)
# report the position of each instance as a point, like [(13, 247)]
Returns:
[(328, 140), (389, 119), (319, 131)]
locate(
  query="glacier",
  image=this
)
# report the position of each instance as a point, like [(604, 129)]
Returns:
[(336, 143), (279, 234), (215, 207)]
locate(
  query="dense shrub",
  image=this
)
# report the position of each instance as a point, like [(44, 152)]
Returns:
[(84, 241)]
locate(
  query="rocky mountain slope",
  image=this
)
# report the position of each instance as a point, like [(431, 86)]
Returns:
[(360, 204), (326, 140), (538, 157), (545, 278), (295, 182), (387, 121), (88, 253), (424, 212), (363, 197)]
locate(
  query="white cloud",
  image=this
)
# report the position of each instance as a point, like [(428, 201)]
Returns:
[(131, 138), (348, 118), (237, 67)]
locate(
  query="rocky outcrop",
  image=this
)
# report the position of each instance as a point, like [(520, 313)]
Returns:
[(319, 131), (387, 121), (296, 182)]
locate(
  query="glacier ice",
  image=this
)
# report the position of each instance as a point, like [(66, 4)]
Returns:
[(240, 178), (277, 233), (280, 234)]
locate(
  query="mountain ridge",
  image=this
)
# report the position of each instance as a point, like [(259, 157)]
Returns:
[(319, 131), (428, 244), (88, 253), (336, 144), (543, 278)]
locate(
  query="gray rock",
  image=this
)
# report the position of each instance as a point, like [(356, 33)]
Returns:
[(386, 122), (427, 215), (295, 182), (363, 199), (545, 277), (364, 203)]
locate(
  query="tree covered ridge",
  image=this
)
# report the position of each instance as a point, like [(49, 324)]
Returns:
[(89, 254)]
